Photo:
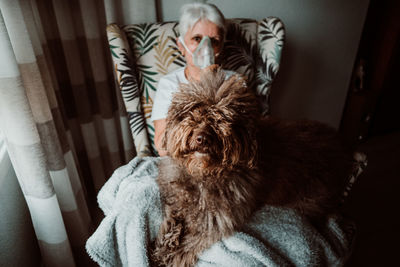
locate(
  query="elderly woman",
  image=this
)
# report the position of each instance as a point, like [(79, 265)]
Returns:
[(198, 21)]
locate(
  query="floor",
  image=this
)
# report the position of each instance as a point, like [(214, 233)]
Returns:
[(374, 204)]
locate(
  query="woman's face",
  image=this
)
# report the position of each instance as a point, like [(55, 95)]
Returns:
[(193, 37)]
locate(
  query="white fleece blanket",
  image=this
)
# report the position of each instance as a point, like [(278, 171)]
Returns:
[(131, 203)]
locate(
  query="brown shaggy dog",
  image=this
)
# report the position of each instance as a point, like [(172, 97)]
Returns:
[(226, 161)]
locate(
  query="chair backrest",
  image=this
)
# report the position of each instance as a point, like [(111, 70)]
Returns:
[(143, 53)]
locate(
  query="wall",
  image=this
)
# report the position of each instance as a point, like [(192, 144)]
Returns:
[(321, 45), (130, 11), (18, 245)]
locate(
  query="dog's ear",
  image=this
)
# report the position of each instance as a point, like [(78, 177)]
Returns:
[(240, 147)]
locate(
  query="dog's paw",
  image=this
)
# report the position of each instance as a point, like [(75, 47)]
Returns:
[(171, 237)]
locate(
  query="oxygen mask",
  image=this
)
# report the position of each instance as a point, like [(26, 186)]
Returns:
[(203, 55)]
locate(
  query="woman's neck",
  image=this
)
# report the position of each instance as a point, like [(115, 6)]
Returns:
[(192, 73)]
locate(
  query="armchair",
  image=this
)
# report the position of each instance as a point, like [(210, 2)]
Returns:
[(143, 53)]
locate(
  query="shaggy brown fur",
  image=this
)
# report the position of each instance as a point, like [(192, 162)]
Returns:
[(226, 161)]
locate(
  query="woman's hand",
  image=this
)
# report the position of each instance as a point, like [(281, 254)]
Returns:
[(159, 130), (212, 67)]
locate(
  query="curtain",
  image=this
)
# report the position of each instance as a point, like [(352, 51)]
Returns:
[(63, 120)]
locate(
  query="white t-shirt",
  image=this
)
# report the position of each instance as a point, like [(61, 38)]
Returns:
[(166, 87)]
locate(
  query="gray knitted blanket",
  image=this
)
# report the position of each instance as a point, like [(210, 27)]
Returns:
[(131, 203)]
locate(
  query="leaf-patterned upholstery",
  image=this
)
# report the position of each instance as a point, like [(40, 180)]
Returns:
[(143, 53)]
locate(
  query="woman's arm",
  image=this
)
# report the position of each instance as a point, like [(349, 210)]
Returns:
[(159, 130)]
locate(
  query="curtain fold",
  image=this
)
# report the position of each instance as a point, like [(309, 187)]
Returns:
[(64, 123), (26, 118)]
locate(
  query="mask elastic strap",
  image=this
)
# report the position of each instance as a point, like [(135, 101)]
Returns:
[(184, 45)]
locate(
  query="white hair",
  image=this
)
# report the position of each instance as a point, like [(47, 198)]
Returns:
[(193, 12)]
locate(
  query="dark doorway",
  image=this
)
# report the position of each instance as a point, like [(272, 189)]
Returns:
[(372, 106)]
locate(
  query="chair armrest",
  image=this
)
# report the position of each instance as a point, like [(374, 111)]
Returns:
[(126, 78)]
